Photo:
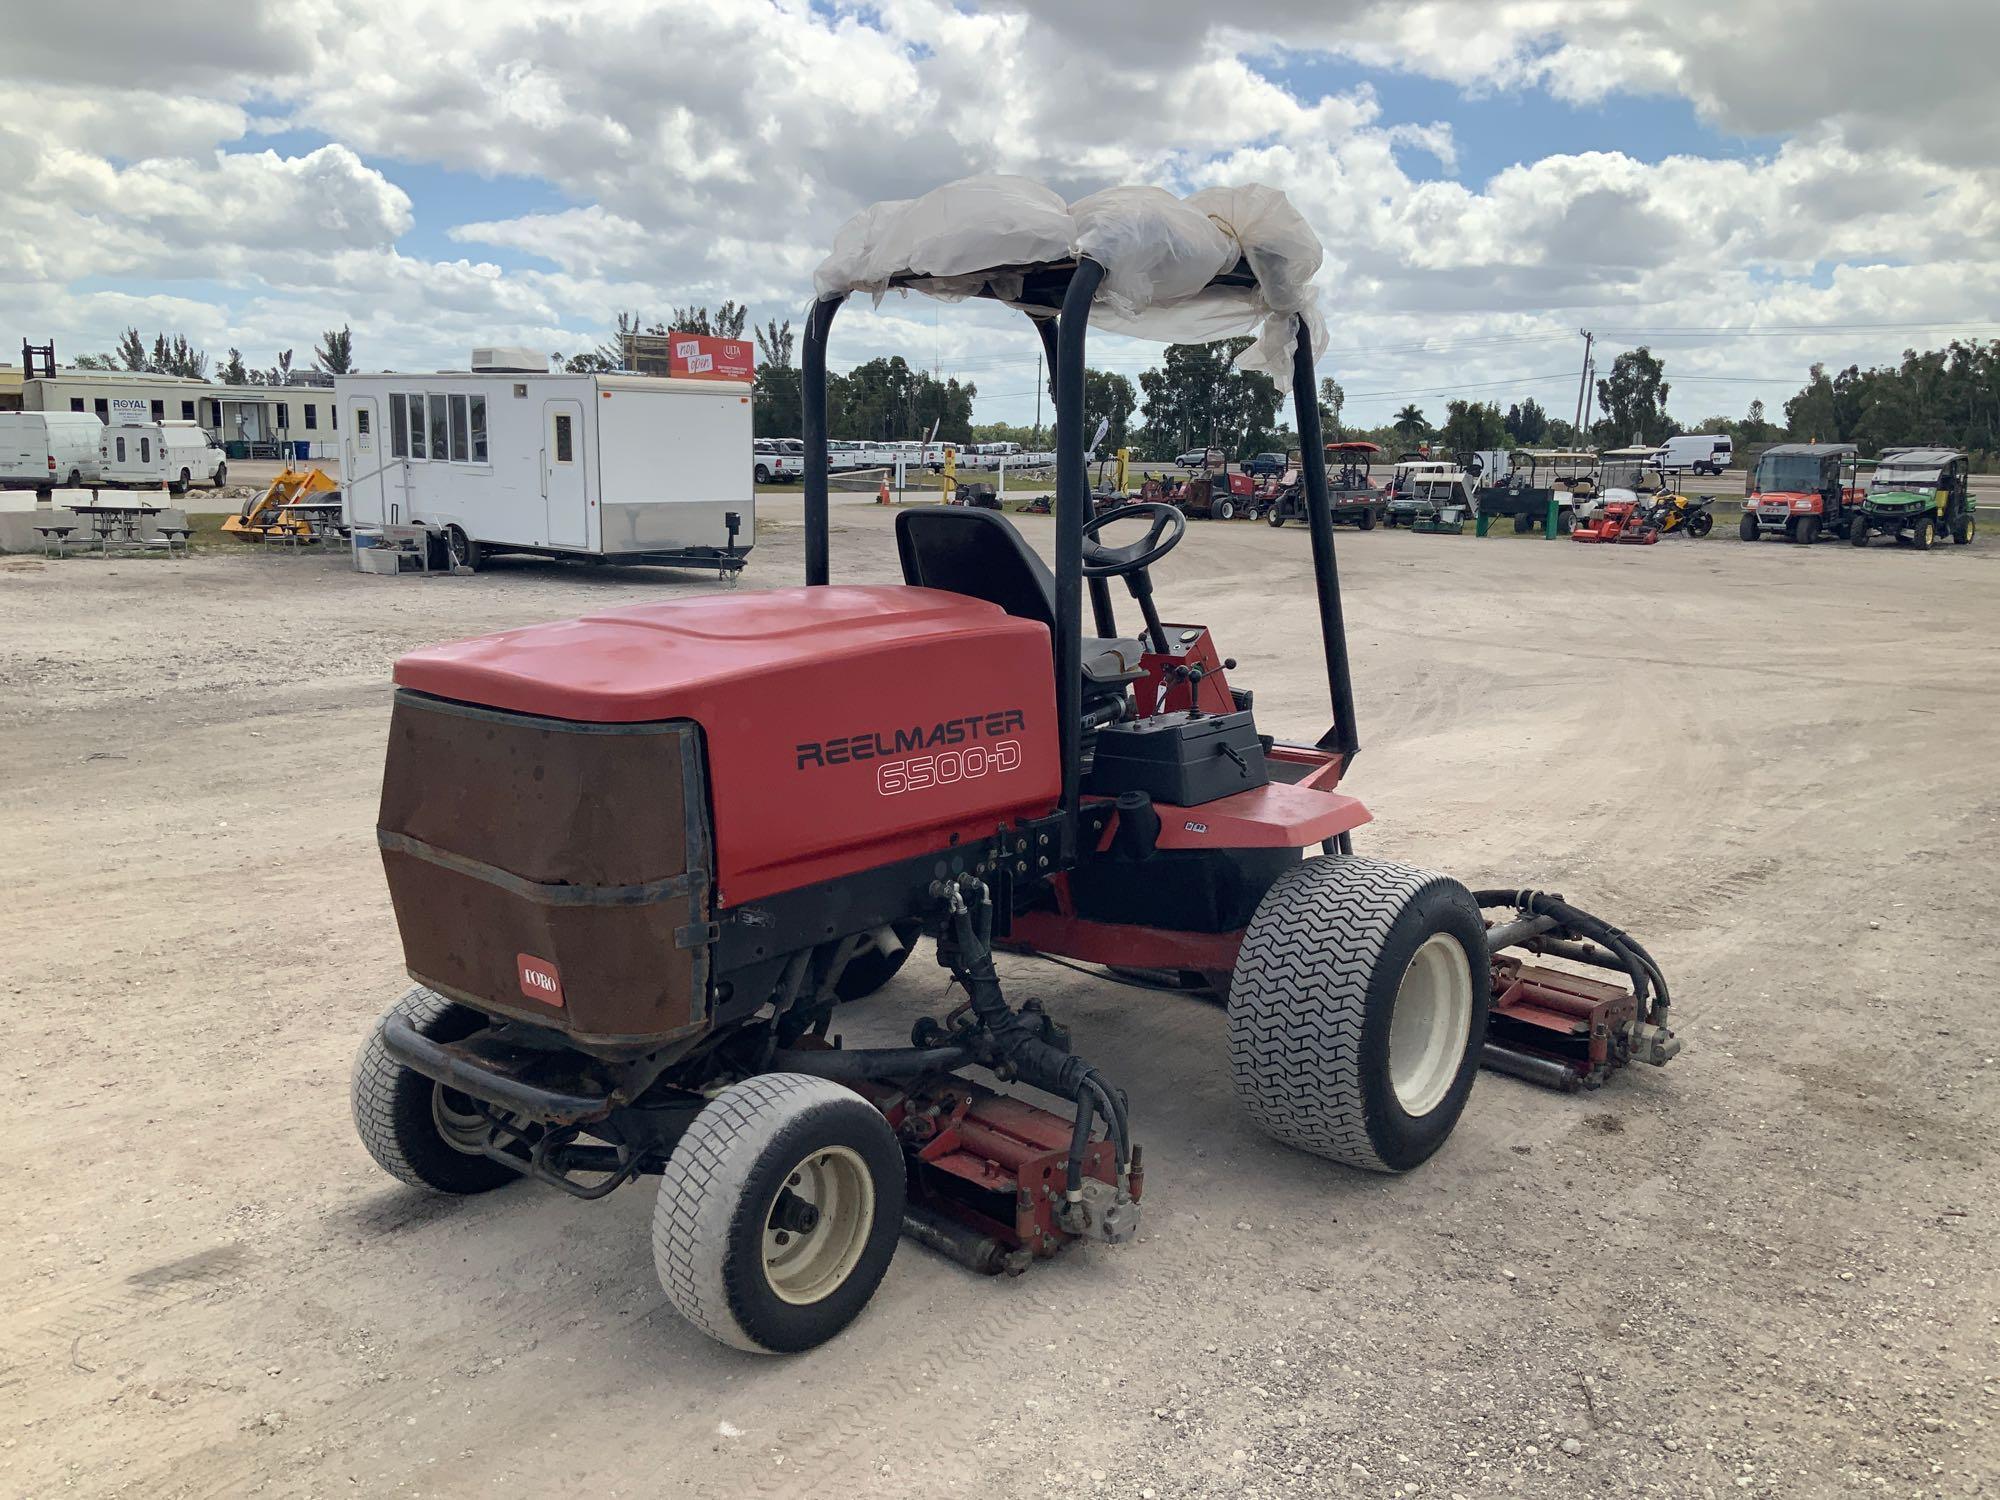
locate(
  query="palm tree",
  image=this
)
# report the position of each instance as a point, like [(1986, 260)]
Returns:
[(1410, 423)]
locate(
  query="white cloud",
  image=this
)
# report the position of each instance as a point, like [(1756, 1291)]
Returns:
[(707, 149)]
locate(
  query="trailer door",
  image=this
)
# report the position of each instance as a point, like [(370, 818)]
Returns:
[(361, 463), (562, 474)]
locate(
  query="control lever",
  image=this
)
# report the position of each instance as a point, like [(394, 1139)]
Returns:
[(1242, 765)]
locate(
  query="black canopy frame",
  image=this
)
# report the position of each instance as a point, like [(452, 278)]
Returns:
[(1057, 297)]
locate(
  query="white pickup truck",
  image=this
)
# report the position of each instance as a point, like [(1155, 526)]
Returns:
[(777, 460)]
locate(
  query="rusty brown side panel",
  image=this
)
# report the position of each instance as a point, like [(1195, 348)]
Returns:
[(582, 846)]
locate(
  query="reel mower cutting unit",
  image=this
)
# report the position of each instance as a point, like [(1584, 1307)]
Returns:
[(641, 859)]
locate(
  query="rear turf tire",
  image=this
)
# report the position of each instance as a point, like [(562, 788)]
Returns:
[(1962, 529), (1225, 510), (403, 1117), (715, 1246), (868, 971), (1367, 521), (1357, 1011)]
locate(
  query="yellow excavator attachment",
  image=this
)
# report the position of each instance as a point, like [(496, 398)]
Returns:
[(263, 515)]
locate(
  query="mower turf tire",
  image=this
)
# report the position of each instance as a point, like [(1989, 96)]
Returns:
[(720, 1190), (868, 972), (395, 1107), (1314, 993)]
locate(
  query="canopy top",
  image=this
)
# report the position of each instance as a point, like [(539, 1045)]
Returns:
[(1217, 264)]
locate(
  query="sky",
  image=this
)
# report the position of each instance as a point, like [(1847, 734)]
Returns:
[(1745, 185)]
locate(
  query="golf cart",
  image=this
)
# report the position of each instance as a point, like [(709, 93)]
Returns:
[(641, 859), (1353, 496), (1536, 477), (1914, 495), (1802, 492), (1431, 496)]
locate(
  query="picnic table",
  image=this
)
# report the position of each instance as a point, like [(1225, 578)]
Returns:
[(322, 518), (108, 518)]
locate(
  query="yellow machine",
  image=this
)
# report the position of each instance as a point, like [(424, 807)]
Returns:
[(264, 517)]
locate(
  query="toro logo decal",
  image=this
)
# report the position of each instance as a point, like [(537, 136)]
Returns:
[(539, 979)]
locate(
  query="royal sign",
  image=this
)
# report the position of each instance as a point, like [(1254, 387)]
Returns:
[(702, 356)]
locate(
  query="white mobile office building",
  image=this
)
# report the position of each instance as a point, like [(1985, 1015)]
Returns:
[(508, 458)]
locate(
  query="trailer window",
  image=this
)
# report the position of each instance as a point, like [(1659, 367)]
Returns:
[(461, 447), (418, 446), (479, 429), (565, 449), (76, 403), (440, 429), (399, 427), (312, 417), (159, 411), (187, 411)]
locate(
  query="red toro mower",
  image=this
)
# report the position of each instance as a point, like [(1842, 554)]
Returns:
[(1622, 517), (641, 859)]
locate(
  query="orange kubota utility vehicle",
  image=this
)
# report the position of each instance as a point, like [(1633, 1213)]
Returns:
[(640, 859)]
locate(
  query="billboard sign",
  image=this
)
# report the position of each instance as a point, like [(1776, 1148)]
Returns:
[(127, 411), (702, 356)]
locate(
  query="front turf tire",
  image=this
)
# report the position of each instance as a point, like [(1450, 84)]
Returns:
[(1857, 532), (397, 1111), (1357, 1011), (716, 1243), (1746, 529)]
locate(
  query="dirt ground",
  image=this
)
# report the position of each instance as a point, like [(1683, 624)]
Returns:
[(1771, 1268)]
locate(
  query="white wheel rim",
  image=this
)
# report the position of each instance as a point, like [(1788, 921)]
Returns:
[(805, 1267), (462, 1130), (1430, 1024)]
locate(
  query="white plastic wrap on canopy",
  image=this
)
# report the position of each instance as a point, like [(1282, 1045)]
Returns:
[(1159, 255)]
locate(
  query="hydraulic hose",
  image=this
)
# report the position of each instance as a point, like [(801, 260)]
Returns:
[(1649, 985), (868, 1064), (1032, 1060)]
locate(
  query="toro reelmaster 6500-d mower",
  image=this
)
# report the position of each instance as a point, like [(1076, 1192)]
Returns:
[(640, 859)]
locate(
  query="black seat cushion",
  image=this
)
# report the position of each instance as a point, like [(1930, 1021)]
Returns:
[(978, 553), (965, 550)]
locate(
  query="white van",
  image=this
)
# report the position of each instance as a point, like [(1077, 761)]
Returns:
[(1700, 452), (178, 455), (48, 449)]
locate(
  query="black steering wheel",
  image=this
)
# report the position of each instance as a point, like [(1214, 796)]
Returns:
[(1099, 561)]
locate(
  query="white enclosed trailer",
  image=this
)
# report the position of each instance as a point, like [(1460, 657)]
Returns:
[(629, 468)]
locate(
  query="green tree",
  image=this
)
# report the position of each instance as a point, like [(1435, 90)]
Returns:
[(1470, 426), (1331, 399), (232, 371), (1198, 398), (1527, 423), (1110, 397), (96, 362), (1410, 425), (1634, 399), (725, 322), (886, 399), (335, 353), (132, 350), (777, 403)]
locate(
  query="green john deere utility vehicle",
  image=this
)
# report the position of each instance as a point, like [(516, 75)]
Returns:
[(1915, 495)]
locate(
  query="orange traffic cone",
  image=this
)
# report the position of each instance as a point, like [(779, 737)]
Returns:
[(882, 495)]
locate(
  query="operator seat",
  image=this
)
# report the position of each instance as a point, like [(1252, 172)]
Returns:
[(965, 550)]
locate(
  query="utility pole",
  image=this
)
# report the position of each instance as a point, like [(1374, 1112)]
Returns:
[(1583, 385)]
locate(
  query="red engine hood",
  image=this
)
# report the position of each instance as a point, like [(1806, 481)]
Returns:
[(659, 661), (844, 726)]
